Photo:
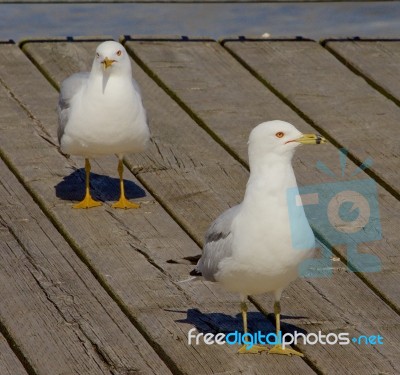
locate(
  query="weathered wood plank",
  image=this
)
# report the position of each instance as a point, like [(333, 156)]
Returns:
[(191, 168), (337, 101), (376, 60), (127, 250), (54, 309), (171, 184), (222, 95), (9, 363), (168, 140)]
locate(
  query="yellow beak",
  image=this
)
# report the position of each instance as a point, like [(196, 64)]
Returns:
[(311, 139), (107, 63)]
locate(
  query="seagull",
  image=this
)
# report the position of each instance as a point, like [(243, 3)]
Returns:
[(101, 113), (250, 248)]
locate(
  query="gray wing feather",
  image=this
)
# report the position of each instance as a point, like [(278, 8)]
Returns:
[(218, 244), (69, 88), (137, 89)]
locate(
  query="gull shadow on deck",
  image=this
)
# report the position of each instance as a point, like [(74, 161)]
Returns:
[(218, 322), (103, 188)]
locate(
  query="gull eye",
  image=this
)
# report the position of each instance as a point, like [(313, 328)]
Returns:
[(119, 52), (97, 55), (279, 134)]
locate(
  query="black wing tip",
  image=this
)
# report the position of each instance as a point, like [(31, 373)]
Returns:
[(193, 260), (195, 272), (215, 236)]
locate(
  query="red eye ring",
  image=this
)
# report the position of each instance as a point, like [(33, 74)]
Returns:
[(119, 53), (279, 134)]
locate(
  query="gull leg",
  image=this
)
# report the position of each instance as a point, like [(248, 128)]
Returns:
[(278, 349), (255, 349), (123, 202), (88, 201)]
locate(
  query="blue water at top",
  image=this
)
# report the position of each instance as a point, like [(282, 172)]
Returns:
[(313, 20)]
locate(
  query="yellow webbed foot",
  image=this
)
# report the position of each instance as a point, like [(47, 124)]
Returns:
[(87, 202), (255, 349), (124, 203), (277, 349)]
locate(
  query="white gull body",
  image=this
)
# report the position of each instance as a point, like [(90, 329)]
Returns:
[(252, 247), (101, 112), (249, 249)]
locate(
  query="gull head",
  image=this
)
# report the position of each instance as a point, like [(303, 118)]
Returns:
[(278, 138), (112, 58)]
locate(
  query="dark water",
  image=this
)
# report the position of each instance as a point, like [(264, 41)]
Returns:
[(316, 20)]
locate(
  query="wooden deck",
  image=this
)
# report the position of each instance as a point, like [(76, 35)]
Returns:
[(92, 291)]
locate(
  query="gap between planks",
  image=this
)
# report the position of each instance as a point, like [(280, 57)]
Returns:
[(120, 300)]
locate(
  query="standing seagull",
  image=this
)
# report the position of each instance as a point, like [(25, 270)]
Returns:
[(101, 113), (249, 249)]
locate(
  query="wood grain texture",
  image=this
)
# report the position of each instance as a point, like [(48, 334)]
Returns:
[(181, 188), (230, 102), (376, 60), (339, 102), (54, 309), (223, 96), (126, 250), (9, 363)]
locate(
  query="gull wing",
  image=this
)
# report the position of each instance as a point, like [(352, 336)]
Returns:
[(137, 89), (218, 245), (69, 88)]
